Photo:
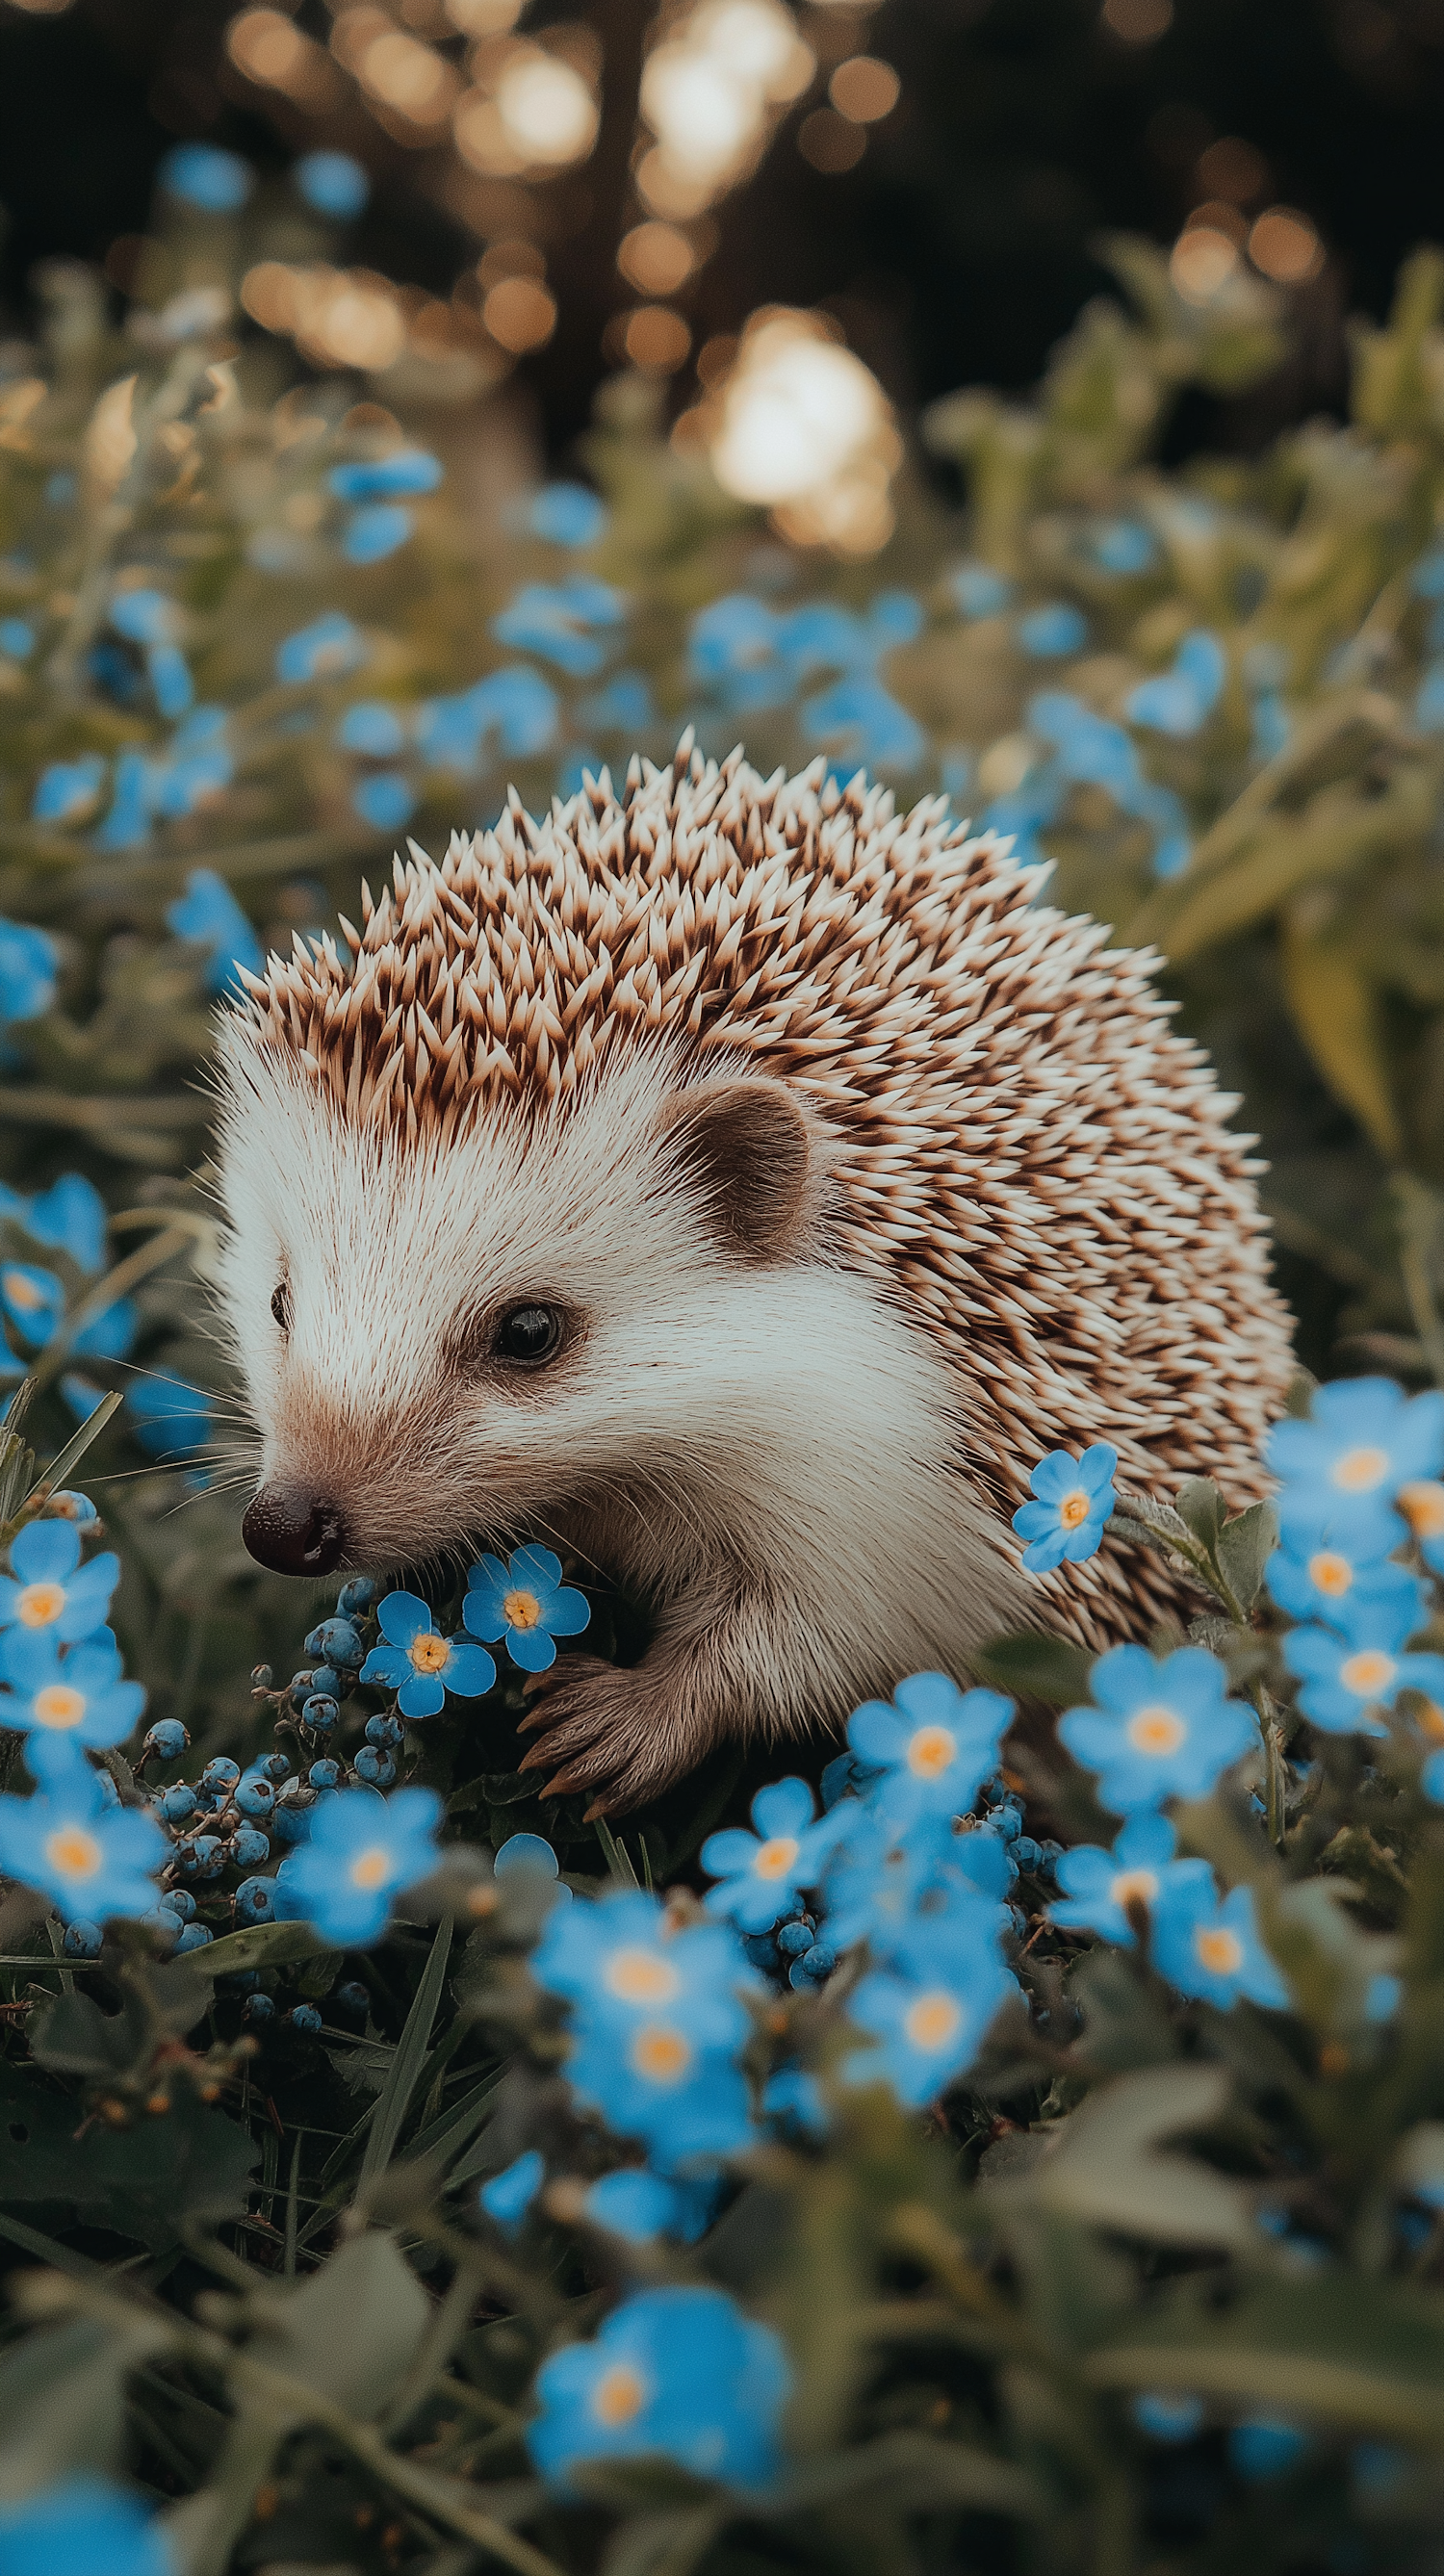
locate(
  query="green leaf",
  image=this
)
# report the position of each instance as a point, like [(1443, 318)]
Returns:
[(1035, 1666), (352, 2331), (1244, 1547), (1364, 2354), (394, 2099), (263, 1945), (1102, 2166), (1200, 1507), (146, 2182), (62, 2400), (663, 2544), (1124, 2025)]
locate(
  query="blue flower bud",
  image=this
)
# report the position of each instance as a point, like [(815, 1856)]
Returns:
[(82, 1941), (386, 1732), (813, 1966), (178, 1803), (276, 1766), (259, 2008), (304, 2017), (376, 1768), (178, 1901), (762, 1950), (255, 1900), (301, 1685), (356, 1595), (194, 1936), (352, 1998), (336, 1642), (320, 1713), (292, 1817), (249, 1847), (325, 1774), (166, 1740), (1008, 1822), (203, 1857), (255, 1796), (1026, 1852), (794, 1938), (220, 1775)]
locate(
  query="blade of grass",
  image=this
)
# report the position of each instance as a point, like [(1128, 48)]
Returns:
[(394, 2098), (53, 1477), (618, 1858), (289, 2259), (454, 2129)]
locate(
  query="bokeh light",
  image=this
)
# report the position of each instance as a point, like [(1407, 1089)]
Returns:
[(267, 49), (656, 258), (830, 142), (1204, 259), (864, 90), (711, 93), (656, 339), (1137, 22), (520, 313), (1285, 246), (528, 110), (805, 429)]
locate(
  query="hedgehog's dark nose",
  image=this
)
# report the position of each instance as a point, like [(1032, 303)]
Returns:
[(294, 1538)]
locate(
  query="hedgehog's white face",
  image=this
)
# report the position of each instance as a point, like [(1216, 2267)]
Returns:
[(444, 1342)]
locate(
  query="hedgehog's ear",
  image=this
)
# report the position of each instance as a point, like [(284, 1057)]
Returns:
[(745, 1147)]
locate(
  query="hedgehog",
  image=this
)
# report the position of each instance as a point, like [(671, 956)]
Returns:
[(740, 1186)]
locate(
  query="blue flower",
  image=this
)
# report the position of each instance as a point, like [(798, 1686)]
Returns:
[(555, 621), (1341, 1468), (979, 591), (387, 478), (16, 638), (886, 1887), (376, 532), (509, 2195), (63, 1700), (862, 722), (639, 2205), (331, 644), (51, 1591), (1347, 1676), (1264, 2446), (68, 789), (1422, 1503), (69, 1217), (1212, 1949), (618, 1962), (202, 175), (1271, 726), (362, 1850), (1050, 632), (1099, 1885), (732, 652), (678, 2373), (928, 2013), (937, 1746), (524, 1856), (795, 2098), (1123, 545), (372, 728), (82, 2526), (1075, 1500), (332, 183), (149, 618), (33, 1301), (515, 704), (386, 800), (1331, 1582), (172, 1421), (526, 1602), (1167, 2415), (92, 1860), (655, 2080), (762, 1873), (209, 914), (195, 766), (1179, 701), (567, 514), (623, 706), (420, 1665), (1163, 1727)]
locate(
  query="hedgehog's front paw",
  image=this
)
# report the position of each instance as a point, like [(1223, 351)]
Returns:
[(605, 1730)]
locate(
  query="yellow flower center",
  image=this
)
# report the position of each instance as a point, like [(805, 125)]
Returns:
[(431, 1654), (1330, 1573), (1431, 1721), (369, 1868), (1156, 1730), (1220, 1952), (640, 1977), (39, 1603), (58, 1705), (775, 1859), (1073, 1510), (661, 2054), (933, 1750), (1134, 1884), (522, 1609), (22, 1292), (932, 2021), (1368, 1672), (1360, 1470), (1422, 1505), (73, 1852), (619, 2394)]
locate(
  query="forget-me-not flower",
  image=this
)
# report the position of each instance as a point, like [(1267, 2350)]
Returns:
[(640, 2205), (657, 2080), (678, 2373), (362, 1851), (1098, 1886), (378, 530), (1179, 701), (48, 1588), (761, 1873), (91, 1858), (28, 964), (560, 621), (411, 470), (1422, 1503), (1211, 1948), (928, 2013), (420, 1665), (1073, 1503), (1341, 1469), (618, 1962), (1162, 1727), (328, 646), (82, 2526), (1331, 1581), (78, 1697), (386, 800), (567, 514), (1346, 1676), (209, 914), (525, 1601), (509, 2195), (1053, 631), (884, 1883), (67, 789), (937, 1745)]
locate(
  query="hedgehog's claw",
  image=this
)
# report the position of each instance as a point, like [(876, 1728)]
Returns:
[(602, 1734)]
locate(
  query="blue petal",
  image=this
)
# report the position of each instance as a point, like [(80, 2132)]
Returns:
[(531, 1648), (46, 1551), (785, 1808), (403, 1618), (469, 1670), (390, 1665), (567, 1613), (423, 1696), (535, 1569)]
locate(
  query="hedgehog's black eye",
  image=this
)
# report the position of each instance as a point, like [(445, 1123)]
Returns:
[(530, 1334), (281, 1306)]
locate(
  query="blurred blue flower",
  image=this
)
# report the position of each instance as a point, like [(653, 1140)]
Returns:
[(332, 183), (1163, 1727), (32, 1300), (93, 1860), (1265, 2446), (556, 621), (1211, 1948), (1099, 1885), (617, 1961), (936, 1746), (60, 1700), (1421, 1500), (567, 514), (1341, 1469), (928, 2014), (329, 645), (1347, 1676), (515, 704), (219, 183), (172, 1421), (209, 914), (1382, 1998), (16, 638), (420, 1665), (1074, 1503), (372, 728), (859, 721), (370, 535), (195, 765), (1168, 2415), (640, 2205), (149, 618), (69, 1217), (732, 652), (51, 1592), (386, 800), (1271, 726), (676, 2373), (761, 1873), (526, 1602), (795, 2098), (656, 2079), (1429, 700), (508, 2196), (1051, 632), (889, 1886), (1122, 545), (82, 2526), (625, 705), (1179, 701), (412, 470), (524, 1856), (362, 1851), (68, 789), (1331, 1581), (979, 591)]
